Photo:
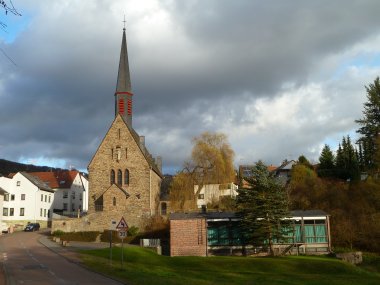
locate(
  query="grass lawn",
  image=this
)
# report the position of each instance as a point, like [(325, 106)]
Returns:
[(143, 266)]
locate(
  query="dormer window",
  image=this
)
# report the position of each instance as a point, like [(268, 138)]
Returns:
[(18, 183)]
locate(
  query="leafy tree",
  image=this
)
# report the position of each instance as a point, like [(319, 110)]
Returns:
[(263, 209), (211, 163), (370, 124)]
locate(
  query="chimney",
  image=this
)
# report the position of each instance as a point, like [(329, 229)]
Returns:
[(159, 163)]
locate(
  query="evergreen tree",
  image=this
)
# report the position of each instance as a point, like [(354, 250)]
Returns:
[(347, 165), (263, 209), (370, 124), (326, 160), (326, 163), (304, 161)]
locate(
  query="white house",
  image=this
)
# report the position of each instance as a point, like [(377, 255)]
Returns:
[(213, 192), (26, 199), (3, 226), (70, 190)]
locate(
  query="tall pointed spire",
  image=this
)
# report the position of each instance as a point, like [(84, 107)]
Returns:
[(123, 94)]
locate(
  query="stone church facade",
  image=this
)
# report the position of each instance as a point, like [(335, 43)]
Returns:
[(124, 179)]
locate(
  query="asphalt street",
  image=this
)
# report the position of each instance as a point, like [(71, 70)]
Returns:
[(31, 258)]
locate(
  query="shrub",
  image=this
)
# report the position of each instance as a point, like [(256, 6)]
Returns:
[(133, 231), (58, 233), (80, 236)]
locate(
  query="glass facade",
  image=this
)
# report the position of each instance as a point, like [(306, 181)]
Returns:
[(305, 232), (223, 234)]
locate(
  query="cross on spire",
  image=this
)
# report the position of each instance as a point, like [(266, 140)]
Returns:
[(124, 22)]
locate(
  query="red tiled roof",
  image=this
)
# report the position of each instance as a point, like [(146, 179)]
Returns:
[(57, 179)]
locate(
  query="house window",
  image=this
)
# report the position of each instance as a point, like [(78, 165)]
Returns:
[(11, 211), (65, 194), (126, 177), (45, 198), (6, 197), (73, 207), (5, 211), (22, 196), (41, 212), (65, 206), (73, 195), (45, 213), (18, 183), (119, 177), (114, 201), (112, 153), (42, 197), (22, 211), (201, 196), (48, 214), (49, 198), (12, 197), (112, 177), (126, 153), (118, 133)]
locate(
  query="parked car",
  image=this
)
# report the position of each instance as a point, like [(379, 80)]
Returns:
[(32, 227)]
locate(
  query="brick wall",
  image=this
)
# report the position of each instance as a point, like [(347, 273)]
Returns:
[(188, 237)]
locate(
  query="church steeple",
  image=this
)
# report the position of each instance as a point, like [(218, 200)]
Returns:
[(123, 94)]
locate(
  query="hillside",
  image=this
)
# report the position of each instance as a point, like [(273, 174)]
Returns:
[(7, 167)]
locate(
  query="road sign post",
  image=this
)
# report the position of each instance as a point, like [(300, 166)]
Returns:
[(122, 234), (112, 228), (122, 228)]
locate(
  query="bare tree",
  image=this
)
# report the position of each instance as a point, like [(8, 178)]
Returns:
[(8, 8)]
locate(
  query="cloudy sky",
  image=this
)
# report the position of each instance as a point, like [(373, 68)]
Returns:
[(280, 78)]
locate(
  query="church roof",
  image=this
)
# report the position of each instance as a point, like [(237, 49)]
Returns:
[(123, 76)]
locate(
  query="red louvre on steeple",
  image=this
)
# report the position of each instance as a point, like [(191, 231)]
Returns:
[(123, 94)]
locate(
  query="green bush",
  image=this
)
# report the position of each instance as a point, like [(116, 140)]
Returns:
[(58, 233), (133, 231), (80, 236)]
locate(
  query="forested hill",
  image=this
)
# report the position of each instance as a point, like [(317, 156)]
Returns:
[(7, 167)]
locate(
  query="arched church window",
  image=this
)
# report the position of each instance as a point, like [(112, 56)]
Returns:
[(126, 177), (112, 177), (114, 201), (119, 177)]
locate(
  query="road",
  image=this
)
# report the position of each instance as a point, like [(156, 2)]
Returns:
[(26, 261)]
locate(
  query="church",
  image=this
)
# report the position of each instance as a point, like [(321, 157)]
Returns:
[(124, 178)]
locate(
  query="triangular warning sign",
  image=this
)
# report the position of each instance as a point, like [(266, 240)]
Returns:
[(122, 224)]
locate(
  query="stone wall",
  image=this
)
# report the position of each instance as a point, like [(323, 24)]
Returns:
[(135, 200), (188, 237), (351, 257)]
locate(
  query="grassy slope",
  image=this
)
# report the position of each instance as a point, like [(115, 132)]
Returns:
[(142, 266)]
